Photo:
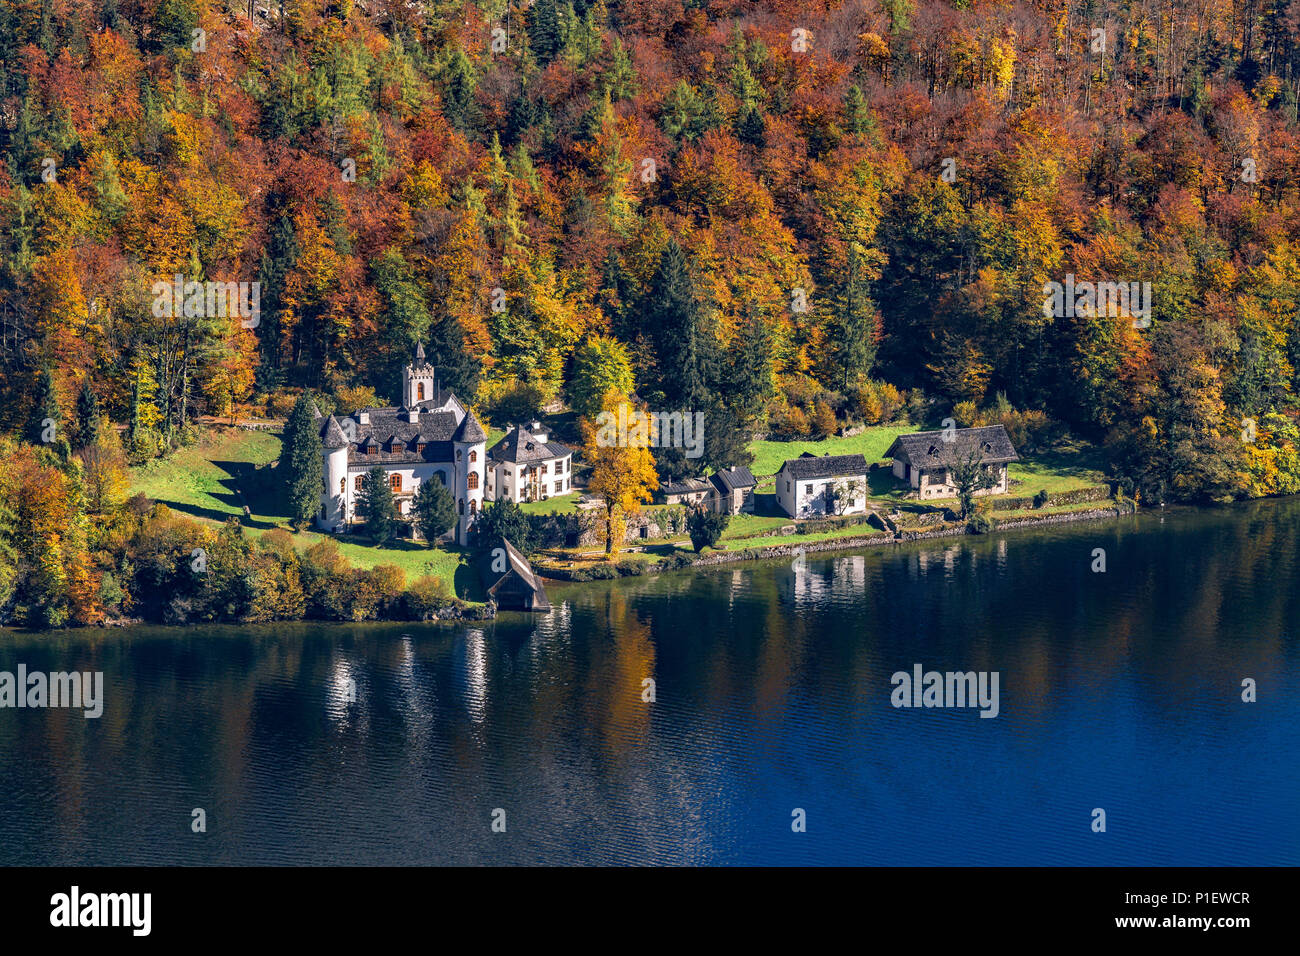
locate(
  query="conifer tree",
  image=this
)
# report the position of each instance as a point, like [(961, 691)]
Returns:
[(458, 371), (86, 427), (671, 314), (376, 506), (44, 424), (434, 510), (301, 460)]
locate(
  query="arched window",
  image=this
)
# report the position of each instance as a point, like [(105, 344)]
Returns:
[(419, 392), (395, 481), (441, 476), (460, 454), (343, 485), (460, 506), (473, 507), (356, 484), (473, 480), (473, 456)]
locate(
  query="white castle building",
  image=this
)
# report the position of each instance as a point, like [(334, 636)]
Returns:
[(432, 436)]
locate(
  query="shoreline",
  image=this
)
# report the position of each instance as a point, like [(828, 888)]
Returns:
[(877, 540)]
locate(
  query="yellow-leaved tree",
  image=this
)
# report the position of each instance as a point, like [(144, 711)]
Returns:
[(623, 472)]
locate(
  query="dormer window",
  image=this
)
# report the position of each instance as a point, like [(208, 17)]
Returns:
[(419, 448), (988, 446), (934, 450), (398, 446)]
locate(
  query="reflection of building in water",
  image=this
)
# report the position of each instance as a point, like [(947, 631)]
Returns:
[(341, 693), (1002, 552), (849, 575), (474, 667)]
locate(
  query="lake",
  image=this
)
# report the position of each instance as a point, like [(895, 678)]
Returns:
[(401, 744)]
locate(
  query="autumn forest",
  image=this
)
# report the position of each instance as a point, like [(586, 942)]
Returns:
[(794, 216)]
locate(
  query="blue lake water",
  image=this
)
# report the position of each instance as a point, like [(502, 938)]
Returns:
[(1118, 690)]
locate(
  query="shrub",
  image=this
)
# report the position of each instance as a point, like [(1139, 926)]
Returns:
[(426, 595), (789, 423), (1040, 499), (823, 419), (979, 523), (705, 528)]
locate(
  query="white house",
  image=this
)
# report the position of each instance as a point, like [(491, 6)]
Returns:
[(828, 485), (925, 459), (526, 466), (432, 436)]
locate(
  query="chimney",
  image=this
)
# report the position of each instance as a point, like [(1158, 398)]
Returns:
[(538, 432), (363, 416), (413, 415)]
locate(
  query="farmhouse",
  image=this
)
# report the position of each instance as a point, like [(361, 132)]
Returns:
[(925, 459), (430, 437), (733, 490), (687, 491), (526, 466), (829, 485)]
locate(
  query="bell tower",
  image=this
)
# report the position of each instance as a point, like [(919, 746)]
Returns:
[(417, 380)]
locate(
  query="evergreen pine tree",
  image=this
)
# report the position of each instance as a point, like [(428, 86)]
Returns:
[(376, 506), (458, 370), (458, 96), (859, 325), (615, 296), (434, 510), (301, 461), (672, 316), (86, 426), (545, 37), (44, 423)]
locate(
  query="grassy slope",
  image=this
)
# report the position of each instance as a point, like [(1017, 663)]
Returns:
[(872, 444), (200, 481)]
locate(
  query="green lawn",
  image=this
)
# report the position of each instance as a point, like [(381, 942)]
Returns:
[(1067, 467), (872, 444), (556, 504), (200, 481)]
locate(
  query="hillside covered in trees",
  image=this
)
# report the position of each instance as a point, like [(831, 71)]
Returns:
[(790, 216)]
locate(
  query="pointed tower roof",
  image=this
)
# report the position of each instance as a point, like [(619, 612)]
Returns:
[(470, 431), (332, 436), (419, 352)]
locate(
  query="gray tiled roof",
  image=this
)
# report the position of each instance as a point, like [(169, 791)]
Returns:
[(990, 444), (520, 446), (470, 430), (808, 466), (332, 434), (434, 430), (687, 486), (729, 479)]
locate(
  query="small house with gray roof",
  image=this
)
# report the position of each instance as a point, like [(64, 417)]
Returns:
[(925, 459), (526, 465), (812, 485), (431, 436), (733, 490)]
